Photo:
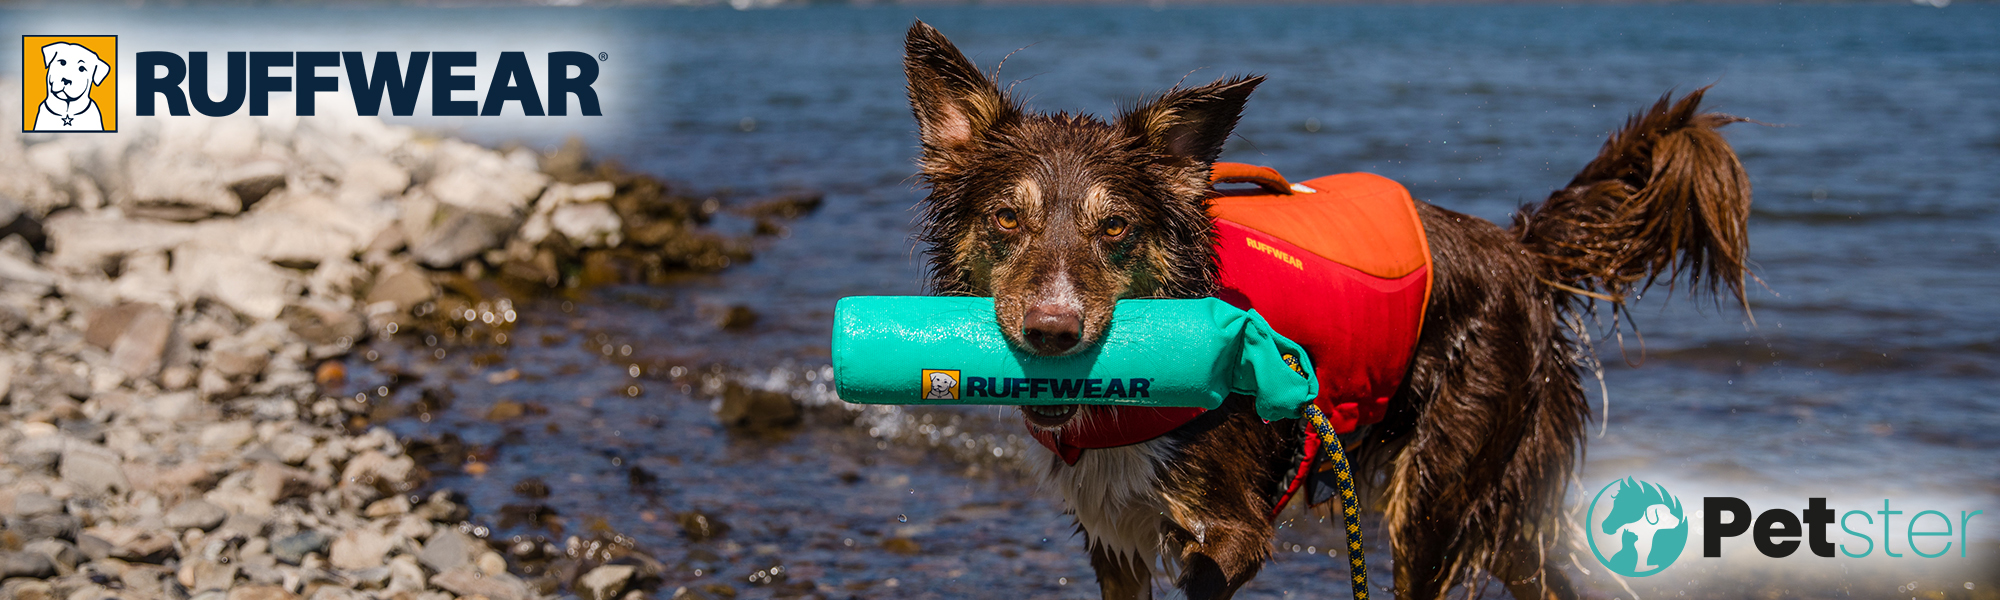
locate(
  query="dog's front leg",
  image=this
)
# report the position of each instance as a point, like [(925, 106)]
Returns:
[(1121, 577), (1222, 558)]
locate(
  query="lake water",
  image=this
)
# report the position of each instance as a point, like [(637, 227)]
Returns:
[(1872, 370)]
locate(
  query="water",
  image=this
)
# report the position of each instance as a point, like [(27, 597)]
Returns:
[(1872, 370)]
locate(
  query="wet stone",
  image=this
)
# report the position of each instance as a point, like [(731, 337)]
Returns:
[(449, 549), (700, 527), (467, 581), (605, 582), (63, 554), (26, 564), (197, 514), (45, 526), (32, 504), (293, 548)]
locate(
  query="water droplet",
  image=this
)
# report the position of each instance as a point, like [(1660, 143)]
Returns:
[(902, 518)]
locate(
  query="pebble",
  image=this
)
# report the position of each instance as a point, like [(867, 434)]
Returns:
[(197, 514), (26, 564), (449, 549), (360, 549), (162, 328), (605, 582), (293, 548)]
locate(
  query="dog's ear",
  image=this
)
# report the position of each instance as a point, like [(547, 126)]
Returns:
[(50, 51), (955, 103), (1187, 127), (98, 69)]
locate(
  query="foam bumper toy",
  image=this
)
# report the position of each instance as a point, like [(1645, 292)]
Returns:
[(1156, 353)]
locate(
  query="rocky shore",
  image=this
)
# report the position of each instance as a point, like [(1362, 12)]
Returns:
[(176, 301)]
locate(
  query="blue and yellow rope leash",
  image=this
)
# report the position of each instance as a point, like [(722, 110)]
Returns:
[(1350, 504)]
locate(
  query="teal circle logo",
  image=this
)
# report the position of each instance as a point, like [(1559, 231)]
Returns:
[(1639, 524)]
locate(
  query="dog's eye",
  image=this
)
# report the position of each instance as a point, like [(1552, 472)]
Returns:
[(1113, 227), (1006, 218), (62, 62)]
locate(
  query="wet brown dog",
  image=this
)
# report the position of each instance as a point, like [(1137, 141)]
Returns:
[(1058, 216)]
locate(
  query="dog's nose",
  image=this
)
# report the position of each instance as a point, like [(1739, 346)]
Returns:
[(65, 81), (1052, 329)]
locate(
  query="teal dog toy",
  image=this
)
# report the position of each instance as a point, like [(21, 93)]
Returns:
[(950, 350)]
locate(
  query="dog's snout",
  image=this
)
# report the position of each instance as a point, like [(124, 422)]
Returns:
[(1052, 328)]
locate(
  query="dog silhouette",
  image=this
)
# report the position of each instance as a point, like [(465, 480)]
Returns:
[(941, 385), (73, 70), (1657, 519)]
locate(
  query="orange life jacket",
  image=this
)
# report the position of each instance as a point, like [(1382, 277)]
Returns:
[(1338, 264)]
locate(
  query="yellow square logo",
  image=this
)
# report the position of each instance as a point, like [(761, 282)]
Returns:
[(940, 384), (69, 83)]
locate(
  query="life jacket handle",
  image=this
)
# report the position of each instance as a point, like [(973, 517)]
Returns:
[(1264, 177)]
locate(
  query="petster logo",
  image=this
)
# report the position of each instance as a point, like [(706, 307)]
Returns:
[(1636, 528), (79, 74)]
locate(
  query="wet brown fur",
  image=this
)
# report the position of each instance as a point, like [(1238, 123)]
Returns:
[(1470, 464)]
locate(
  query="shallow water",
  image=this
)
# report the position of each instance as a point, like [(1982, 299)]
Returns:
[(1872, 370)]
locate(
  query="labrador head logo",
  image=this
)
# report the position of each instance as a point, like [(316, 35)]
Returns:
[(940, 384), (1636, 528), (78, 88)]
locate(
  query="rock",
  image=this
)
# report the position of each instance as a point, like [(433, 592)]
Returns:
[(93, 469), (291, 448), (33, 504), (252, 181), (93, 547), (143, 546), (81, 242), (388, 507), (371, 466), (242, 282), (26, 564), (227, 436), (274, 482), (16, 269), (7, 362), (196, 514), (449, 549), (136, 334), (491, 563), (38, 452), (177, 186), (461, 234), (605, 582), (588, 225), (360, 549), (405, 575), (210, 575), (27, 589), (753, 410), (305, 235), (260, 592), (402, 285), (372, 178), (63, 554), (293, 548), (699, 527), (467, 581), (790, 205)]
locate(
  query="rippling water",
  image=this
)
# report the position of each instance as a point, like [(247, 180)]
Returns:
[(1872, 369)]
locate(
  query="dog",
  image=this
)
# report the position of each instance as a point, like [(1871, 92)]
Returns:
[(1057, 216), (72, 71)]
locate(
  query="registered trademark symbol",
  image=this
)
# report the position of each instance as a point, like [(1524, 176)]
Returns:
[(603, 56)]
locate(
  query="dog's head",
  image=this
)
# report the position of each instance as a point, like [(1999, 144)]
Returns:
[(73, 70), (1058, 216)]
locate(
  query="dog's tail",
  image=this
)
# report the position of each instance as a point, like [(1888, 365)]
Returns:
[(1665, 197)]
